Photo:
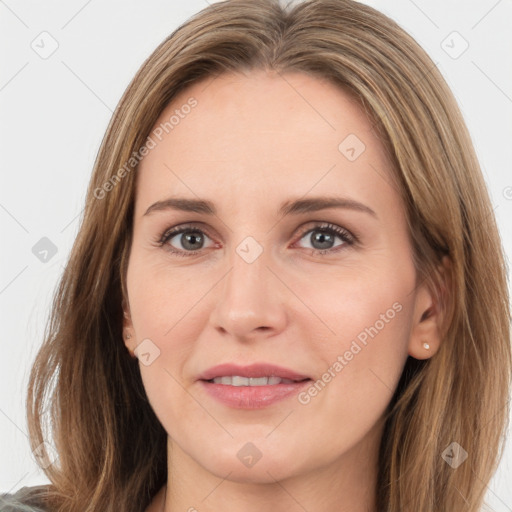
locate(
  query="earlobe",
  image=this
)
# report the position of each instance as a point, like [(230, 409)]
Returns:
[(129, 343), (422, 351)]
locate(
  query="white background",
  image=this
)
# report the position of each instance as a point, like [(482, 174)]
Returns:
[(54, 112)]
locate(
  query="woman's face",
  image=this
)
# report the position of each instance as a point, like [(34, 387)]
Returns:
[(270, 278)]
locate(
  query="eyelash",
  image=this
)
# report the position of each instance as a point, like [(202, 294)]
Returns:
[(348, 238)]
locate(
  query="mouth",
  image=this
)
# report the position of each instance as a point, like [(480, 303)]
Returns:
[(237, 381), (251, 387)]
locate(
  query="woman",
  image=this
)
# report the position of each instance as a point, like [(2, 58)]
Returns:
[(203, 357)]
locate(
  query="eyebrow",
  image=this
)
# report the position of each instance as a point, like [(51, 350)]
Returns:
[(290, 207)]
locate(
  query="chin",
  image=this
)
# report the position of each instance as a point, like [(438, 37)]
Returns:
[(257, 462)]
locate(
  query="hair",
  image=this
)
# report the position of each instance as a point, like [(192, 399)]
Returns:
[(85, 391)]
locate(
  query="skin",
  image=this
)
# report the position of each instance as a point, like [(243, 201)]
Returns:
[(254, 141)]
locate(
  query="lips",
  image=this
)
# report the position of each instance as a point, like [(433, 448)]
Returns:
[(251, 387), (253, 371)]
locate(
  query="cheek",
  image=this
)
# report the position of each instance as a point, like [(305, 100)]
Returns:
[(160, 296), (166, 322), (358, 304), (364, 357)]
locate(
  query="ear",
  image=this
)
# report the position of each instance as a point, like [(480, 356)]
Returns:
[(128, 332), (429, 313)]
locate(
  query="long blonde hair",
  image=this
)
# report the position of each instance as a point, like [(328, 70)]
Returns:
[(111, 447)]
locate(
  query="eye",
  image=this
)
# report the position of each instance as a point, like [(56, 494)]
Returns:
[(190, 240), (322, 237), (184, 240)]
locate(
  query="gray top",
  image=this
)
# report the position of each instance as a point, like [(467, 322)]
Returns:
[(22, 501)]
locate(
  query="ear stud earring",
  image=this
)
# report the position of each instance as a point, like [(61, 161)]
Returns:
[(426, 346), (128, 336)]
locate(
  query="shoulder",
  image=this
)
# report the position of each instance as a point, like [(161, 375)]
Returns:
[(24, 500)]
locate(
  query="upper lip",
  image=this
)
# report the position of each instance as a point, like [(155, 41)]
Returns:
[(253, 370)]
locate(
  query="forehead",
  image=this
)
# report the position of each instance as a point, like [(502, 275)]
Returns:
[(263, 135)]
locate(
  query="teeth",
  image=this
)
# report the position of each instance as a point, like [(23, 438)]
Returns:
[(239, 381), (236, 380)]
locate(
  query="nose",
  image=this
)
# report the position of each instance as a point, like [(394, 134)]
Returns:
[(250, 299)]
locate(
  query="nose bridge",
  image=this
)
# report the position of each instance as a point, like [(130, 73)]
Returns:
[(248, 298)]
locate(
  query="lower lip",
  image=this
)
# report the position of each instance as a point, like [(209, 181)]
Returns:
[(252, 397)]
